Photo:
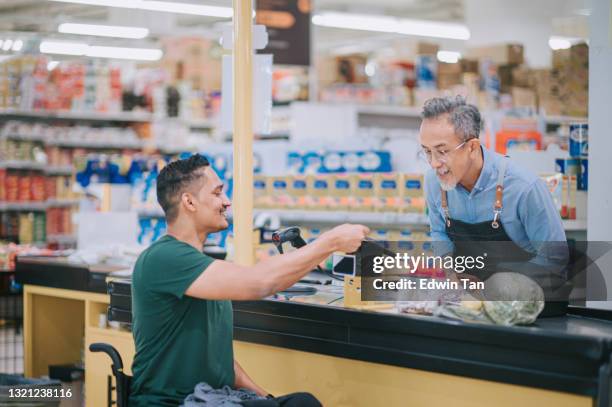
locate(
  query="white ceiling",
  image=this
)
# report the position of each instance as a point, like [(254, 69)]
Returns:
[(43, 16)]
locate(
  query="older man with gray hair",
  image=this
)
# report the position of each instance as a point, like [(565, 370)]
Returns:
[(480, 201)]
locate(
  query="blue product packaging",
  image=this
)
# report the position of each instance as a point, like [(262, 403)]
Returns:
[(583, 177), (579, 140), (295, 164), (375, 161), (332, 162), (568, 166), (426, 69)]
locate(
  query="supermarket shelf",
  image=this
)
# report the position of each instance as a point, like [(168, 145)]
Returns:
[(22, 165), (59, 170), (128, 117), (575, 225), (388, 110), (61, 239), (24, 137), (192, 123), (53, 203), (565, 119), (132, 144), (368, 218), (150, 213), (23, 206)]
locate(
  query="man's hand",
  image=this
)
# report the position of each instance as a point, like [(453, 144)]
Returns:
[(346, 238)]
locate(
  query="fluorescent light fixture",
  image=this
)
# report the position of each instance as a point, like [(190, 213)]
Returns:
[(96, 51), (143, 54), (51, 65), (1, 43), (389, 24), (63, 47), (7, 45), (17, 45), (104, 30), (165, 6), (557, 42), (450, 57)]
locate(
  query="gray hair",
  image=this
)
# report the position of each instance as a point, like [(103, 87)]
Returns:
[(464, 117)]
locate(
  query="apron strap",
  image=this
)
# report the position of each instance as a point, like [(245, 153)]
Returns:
[(444, 199), (499, 193)]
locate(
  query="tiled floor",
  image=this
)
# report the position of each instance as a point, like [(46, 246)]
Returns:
[(11, 348)]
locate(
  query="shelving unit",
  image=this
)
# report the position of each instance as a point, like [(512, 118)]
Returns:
[(129, 144), (23, 206), (62, 239), (130, 117), (23, 165)]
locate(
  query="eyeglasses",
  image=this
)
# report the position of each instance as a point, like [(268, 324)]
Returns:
[(440, 155)]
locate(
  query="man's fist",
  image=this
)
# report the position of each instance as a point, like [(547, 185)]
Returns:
[(346, 238)]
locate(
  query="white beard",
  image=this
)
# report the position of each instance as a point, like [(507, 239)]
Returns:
[(448, 187)]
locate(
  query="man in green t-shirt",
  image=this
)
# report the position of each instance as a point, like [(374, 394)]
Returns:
[(181, 298)]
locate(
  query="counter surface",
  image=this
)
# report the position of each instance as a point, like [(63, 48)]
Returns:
[(569, 354)]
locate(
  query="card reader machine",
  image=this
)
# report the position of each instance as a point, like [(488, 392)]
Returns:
[(350, 267)]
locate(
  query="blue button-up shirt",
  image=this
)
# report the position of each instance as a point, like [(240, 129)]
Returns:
[(529, 215)]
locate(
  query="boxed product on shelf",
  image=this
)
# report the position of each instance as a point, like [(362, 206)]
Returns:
[(297, 191), (499, 54), (261, 199), (523, 97), (387, 192), (278, 190), (364, 192), (412, 193), (342, 191), (318, 187)]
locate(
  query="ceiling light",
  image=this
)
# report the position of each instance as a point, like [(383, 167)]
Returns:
[(17, 45), (63, 47), (557, 42), (143, 54), (392, 25), (96, 51), (7, 45), (450, 57), (51, 65), (165, 6), (104, 30), (1, 43)]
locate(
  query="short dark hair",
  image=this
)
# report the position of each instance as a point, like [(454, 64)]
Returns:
[(464, 117), (173, 179)]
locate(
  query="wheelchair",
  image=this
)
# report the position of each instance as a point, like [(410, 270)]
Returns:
[(122, 380)]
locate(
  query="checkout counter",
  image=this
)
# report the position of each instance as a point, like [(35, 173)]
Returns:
[(346, 357)]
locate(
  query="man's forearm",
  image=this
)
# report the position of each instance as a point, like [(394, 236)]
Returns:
[(284, 271), (243, 381)]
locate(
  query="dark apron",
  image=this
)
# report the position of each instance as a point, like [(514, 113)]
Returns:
[(490, 237)]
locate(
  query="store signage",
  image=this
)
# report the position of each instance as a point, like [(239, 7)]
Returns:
[(288, 24)]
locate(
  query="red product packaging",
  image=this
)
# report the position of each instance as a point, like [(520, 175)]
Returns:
[(12, 186), (37, 191), (2, 185), (24, 193), (50, 188)]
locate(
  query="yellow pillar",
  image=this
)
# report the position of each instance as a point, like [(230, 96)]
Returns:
[(243, 132)]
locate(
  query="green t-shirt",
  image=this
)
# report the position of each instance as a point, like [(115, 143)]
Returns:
[(180, 340)]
